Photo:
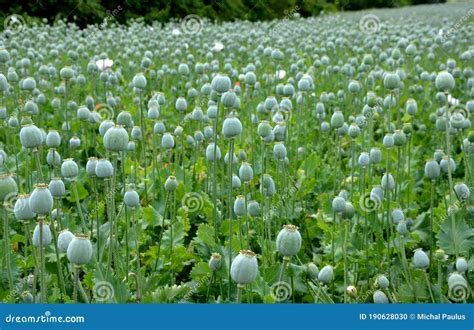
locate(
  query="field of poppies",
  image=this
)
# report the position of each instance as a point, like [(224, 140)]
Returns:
[(304, 160)]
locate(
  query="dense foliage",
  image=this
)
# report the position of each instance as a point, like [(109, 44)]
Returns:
[(319, 160)]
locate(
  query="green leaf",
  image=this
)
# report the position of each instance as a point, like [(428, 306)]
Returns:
[(457, 237)]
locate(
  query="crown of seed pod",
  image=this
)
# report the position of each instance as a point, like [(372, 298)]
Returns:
[(41, 200), (288, 241), (244, 268), (79, 250), (215, 262), (116, 139), (64, 238)]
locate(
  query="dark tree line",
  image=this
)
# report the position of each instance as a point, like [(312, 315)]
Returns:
[(85, 12)]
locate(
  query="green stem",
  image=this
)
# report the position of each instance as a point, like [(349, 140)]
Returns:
[(229, 188)]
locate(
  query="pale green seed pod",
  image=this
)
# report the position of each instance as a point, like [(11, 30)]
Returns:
[(444, 81), (131, 197), (391, 81), (47, 236), (8, 186), (420, 259), (239, 206), (66, 73), (64, 238), (53, 158), (139, 81), (337, 119), (326, 274), (244, 268), (79, 250), (253, 208), (41, 200), (245, 172), (220, 83), (69, 169), (171, 184), (90, 166), (288, 241), (57, 187), (312, 271), (383, 282), (380, 297), (279, 150), (461, 265), (338, 204), (215, 262), (210, 152), (116, 139), (167, 141), (104, 169), (31, 136), (231, 128), (432, 169), (53, 139), (22, 209), (264, 129)]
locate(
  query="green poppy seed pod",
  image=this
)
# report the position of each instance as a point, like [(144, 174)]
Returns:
[(245, 172), (239, 206), (215, 262), (41, 200), (220, 83), (444, 164), (457, 120), (124, 118), (90, 166), (250, 78), (354, 131), (432, 169), (159, 128), (253, 208), (388, 182), (337, 119), (105, 126), (8, 187), (28, 84), (288, 241), (83, 113), (69, 169), (171, 184), (66, 73), (364, 159), (371, 99), (139, 81), (304, 85), (444, 81), (210, 152), (53, 139), (354, 86), (349, 211), (351, 291), (64, 238), (383, 282), (279, 151), (312, 271), (228, 99), (399, 138), (167, 141), (27, 297), (388, 140), (236, 183), (116, 139), (462, 192), (440, 254), (411, 107), (326, 274), (397, 216), (232, 127), (376, 194), (380, 297), (57, 187), (264, 129), (178, 131), (420, 259), (104, 169), (22, 209), (153, 112), (212, 111), (31, 136), (244, 268), (79, 251), (338, 204), (47, 237), (131, 198), (391, 81), (461, 265), (131, 146), (438, 155), (74, 142), (268, 188), (181, 105), (402, 228)]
